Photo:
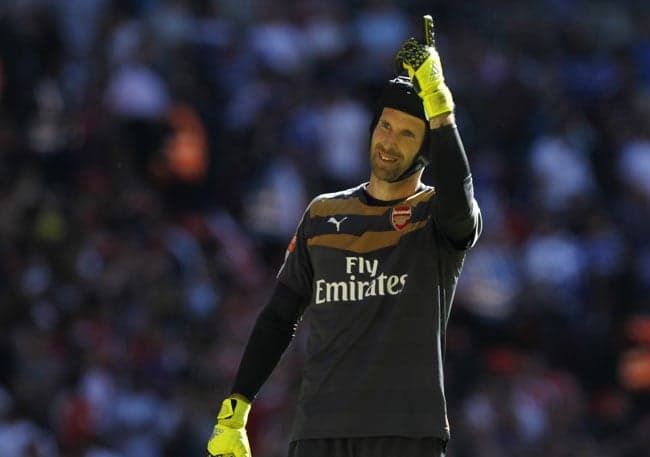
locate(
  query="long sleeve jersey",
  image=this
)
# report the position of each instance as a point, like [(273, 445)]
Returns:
[(377, 280)]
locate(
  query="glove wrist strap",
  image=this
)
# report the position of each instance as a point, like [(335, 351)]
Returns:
[(234, 411), (438, 102)]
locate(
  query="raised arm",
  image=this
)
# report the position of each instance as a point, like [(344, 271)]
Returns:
[(457, 213)]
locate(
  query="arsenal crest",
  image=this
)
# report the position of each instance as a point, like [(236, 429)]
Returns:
[(400, 216)]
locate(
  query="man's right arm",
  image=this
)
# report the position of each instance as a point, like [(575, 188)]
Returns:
[(273, 331), (271, 335)]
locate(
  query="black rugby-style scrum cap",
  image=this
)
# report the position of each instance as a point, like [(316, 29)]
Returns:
[(400, 94)]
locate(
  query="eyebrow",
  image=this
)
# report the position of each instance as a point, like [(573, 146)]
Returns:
[(403, 130)]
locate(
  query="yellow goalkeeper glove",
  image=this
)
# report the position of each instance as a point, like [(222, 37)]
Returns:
[(229, 438), (423, 65)]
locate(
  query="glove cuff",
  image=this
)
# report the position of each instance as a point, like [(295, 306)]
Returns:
[(234, 412), (438, 102)]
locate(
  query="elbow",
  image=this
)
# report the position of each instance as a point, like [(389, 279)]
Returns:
[(463, 228)]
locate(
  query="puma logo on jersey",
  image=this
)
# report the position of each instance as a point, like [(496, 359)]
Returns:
[(337, 223)]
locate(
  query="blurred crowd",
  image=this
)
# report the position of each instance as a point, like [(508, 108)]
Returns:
[(156, 156)]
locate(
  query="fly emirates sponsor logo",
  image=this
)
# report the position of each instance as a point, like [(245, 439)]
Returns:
[(364, 280)]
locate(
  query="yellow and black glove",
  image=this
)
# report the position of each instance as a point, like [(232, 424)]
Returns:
[(423, 65), (229, 438)]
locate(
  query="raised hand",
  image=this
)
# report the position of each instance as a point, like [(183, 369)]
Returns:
[(422, 62)]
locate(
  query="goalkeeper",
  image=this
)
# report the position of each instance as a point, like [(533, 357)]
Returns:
[(375, 267)]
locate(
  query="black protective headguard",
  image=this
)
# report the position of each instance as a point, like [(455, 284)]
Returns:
[(400, 94)]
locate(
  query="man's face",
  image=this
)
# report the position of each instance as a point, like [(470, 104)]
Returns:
[(394, 144)]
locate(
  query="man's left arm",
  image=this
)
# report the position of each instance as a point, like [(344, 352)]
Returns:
[(457, 213)]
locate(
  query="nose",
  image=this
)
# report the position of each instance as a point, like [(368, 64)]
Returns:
[(386, 139)]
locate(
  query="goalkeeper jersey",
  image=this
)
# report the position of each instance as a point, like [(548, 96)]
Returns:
[(381, 279)]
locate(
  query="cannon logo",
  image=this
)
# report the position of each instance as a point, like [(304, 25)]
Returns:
[(364, 280), (400, 216)]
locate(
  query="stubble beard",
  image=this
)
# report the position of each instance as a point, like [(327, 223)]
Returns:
[(384, 171)]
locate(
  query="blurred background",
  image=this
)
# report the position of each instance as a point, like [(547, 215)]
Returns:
[(156, 156)]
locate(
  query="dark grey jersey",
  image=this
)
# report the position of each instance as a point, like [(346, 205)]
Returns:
[(381, 281)]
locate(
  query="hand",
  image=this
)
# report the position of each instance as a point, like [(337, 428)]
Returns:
[(423, 65), (229, 437)]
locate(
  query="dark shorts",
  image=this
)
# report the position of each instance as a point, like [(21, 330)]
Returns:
[(388, 446)]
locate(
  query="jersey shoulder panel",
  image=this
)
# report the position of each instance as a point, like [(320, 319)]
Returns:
[(348, 201), (345, 220), (352, 201)]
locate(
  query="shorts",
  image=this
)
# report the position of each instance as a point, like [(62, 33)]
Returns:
[(383, 446)]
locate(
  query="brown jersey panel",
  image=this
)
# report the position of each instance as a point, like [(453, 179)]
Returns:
[(367, 242), (354, 206), (421, 196), (350, 206)]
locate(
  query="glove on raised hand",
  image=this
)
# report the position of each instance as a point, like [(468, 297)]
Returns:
[(422, 62), (229, 438)]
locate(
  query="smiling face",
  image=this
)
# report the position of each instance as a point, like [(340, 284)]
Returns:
[(395, 142)]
